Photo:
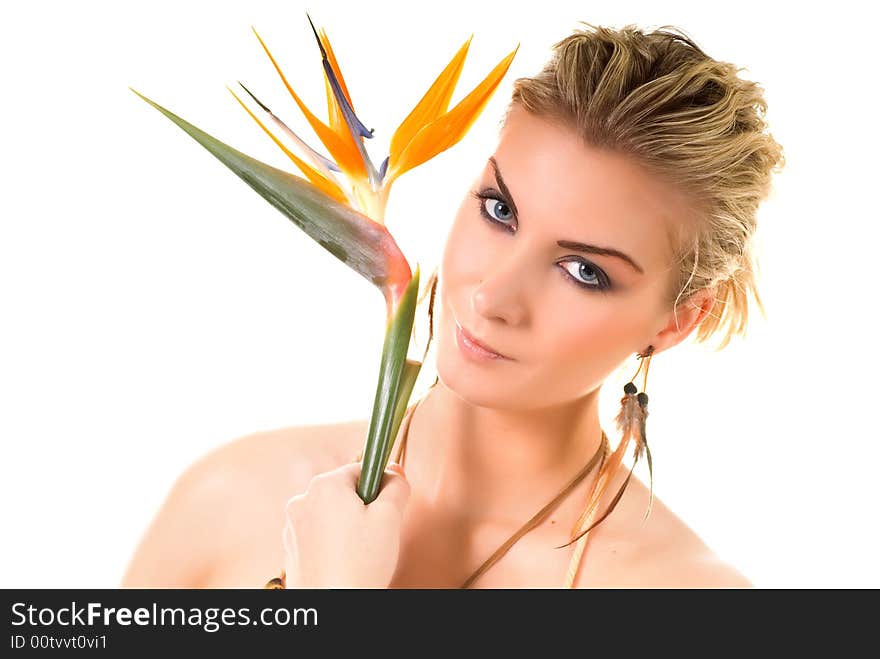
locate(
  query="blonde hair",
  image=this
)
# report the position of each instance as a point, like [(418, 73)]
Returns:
[(687, 118)]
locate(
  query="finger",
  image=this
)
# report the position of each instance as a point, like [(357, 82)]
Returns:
[(291, 558), (347, 474), (339, 482), (395, 488), (350, 473), (287, 539)]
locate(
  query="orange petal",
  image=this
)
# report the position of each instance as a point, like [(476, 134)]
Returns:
[(341, 146), (337, 121), (448, 129), (316, 178), (356, 128), (321, 162), (434, 103)]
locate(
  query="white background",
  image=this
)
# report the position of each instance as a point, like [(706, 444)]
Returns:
[(153, 307)]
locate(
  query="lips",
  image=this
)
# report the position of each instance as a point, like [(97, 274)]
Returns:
[(472, 339)]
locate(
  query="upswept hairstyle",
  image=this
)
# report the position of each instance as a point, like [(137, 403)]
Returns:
[(687, 118)]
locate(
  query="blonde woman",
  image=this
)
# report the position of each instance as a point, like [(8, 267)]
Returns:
[(613, 220)]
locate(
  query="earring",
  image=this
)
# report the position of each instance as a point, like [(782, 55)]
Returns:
[(631, 423), (632, 417)]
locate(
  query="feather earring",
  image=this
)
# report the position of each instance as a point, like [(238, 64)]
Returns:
[(631, 423), (638, 423)]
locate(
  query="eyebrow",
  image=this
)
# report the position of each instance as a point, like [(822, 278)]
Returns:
[(601, 251), (567, 244)]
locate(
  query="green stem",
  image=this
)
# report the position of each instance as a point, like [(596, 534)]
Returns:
[(407, 382), (385, 416)]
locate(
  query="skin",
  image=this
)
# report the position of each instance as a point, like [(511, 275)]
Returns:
[(493, 441)]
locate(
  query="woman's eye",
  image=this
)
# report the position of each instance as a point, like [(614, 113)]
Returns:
[(585, 274), (495, 209)]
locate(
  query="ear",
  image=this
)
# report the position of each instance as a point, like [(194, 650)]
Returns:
[(681, 322)]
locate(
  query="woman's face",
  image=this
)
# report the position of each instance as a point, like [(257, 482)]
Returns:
[(565, 318)]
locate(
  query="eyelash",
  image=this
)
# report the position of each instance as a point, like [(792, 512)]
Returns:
[(481, 196)]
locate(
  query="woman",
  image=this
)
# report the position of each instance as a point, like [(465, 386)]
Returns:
[(614, 219)]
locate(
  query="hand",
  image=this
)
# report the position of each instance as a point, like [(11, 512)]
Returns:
[(332, 540)]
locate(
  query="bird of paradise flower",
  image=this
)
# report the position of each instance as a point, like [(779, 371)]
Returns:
[(348, 219)]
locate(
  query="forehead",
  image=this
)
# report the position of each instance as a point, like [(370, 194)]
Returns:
[(580, 192)]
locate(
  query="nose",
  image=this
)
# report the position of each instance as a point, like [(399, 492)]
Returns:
[(501, 294)]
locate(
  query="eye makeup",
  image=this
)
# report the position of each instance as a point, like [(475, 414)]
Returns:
[(486, 195)]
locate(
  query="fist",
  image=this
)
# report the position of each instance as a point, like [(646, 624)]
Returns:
[(333, 540)]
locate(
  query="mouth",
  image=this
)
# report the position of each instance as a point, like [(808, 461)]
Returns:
[(474, 347)]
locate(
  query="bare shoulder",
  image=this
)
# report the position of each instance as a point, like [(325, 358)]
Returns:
[(662, 551), (231, 501), (286, 457)]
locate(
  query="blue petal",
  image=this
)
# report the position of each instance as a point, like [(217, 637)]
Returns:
[(355, 127), (354, 124), (383, 168), (332, 166)]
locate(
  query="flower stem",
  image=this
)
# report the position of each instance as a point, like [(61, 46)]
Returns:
[(391, 387)]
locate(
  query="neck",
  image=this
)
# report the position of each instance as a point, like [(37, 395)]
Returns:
[(489, 465)]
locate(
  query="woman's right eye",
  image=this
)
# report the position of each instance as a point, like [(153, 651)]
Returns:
[(495, 209)]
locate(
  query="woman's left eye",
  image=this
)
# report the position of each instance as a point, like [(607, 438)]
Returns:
[(586, 274)]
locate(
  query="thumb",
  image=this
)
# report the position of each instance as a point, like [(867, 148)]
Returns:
[(395, 488)]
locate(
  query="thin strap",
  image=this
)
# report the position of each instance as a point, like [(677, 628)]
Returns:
[(536, 520), (404, 425), (540, 516), (576, 558)]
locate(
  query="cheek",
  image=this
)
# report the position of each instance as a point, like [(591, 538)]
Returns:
[(588, 342), (580, 335), (465, 250)]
